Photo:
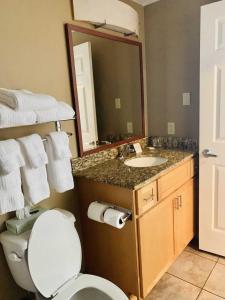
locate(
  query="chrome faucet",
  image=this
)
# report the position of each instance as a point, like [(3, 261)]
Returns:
[(125, 150)]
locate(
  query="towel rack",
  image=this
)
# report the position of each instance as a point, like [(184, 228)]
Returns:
[(58, 126)]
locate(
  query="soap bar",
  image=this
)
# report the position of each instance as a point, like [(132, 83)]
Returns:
[(16, 226)]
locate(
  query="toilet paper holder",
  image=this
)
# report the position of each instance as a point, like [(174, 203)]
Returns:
[(127, 217)]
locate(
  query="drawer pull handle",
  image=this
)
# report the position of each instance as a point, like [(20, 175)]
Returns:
[(176, 203), (180, 201), (151, 198)]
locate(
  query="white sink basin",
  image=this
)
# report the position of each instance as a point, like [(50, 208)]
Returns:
[(145, 161)]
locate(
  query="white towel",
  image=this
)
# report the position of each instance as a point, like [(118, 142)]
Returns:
[(35, 184), (11, 158), (60, 142), (59, 171), (23, 100), (61, 112), (65, 111), (34, 150), (10, 118), (34, 180), (11, 196)]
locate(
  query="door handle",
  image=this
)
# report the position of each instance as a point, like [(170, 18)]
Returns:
[(207, 153)]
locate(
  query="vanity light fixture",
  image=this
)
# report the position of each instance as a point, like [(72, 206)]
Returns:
[(110, 14)]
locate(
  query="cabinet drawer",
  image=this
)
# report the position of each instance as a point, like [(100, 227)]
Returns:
[(174, 179), (146, 197)]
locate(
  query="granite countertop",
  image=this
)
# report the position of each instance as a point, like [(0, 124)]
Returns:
[(115, 172)]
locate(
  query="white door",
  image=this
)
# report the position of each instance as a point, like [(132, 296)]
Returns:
[(86, 94), (212, 129)]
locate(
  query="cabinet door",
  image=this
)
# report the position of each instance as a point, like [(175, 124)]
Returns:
[(156, 244), (184, 216)]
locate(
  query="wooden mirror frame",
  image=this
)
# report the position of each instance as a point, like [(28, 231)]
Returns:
[(69, 28)]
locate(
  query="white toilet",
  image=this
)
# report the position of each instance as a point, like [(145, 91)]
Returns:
[(47, 261)]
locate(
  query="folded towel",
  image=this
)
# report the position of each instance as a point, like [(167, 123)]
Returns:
[(65, 111), (10, 118), (11, 196), (11, 157), (34, 150), (60, 142), (61, 112), (59, 171), (34, 180), (23, 100)]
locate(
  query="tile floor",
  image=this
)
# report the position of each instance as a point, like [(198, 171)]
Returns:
[(194, 275)]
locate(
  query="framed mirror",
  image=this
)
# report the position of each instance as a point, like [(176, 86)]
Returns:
[(107, 88)]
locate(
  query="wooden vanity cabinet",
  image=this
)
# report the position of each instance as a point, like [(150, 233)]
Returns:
[(156, 244), (136, 257), (184, 228), (109, 252), (164, 232)]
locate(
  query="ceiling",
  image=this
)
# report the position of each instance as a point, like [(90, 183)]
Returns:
[(145, 2)]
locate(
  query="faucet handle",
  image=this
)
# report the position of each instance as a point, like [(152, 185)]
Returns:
[(130, 148)]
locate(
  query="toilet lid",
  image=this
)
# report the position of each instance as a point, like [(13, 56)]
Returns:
[(54, 252)]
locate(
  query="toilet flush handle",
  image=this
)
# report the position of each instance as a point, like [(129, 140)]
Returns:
[(14, 257)]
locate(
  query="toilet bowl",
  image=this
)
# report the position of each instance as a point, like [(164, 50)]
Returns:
[(47, 261)]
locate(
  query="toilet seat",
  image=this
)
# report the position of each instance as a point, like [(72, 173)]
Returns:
[(54, 260), (54, 252), (85, 281)]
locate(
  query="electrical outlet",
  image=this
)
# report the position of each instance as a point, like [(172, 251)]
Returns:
[(117, 103), (186, 99), (129, 127), (171, 127)]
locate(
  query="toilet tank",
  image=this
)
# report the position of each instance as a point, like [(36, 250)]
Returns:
[(15, 249)]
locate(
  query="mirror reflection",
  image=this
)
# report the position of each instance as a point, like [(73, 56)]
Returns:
[(108, 90)]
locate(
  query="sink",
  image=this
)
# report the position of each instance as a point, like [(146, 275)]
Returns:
[(145, 161)]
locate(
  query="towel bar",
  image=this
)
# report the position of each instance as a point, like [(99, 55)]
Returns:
[(58, 126)]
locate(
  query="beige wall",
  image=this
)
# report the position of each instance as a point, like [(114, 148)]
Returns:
[(33, 56), (172, 30)]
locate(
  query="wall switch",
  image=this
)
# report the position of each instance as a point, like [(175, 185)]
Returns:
[(186, 99), (171, 127), (117, 103), (130, 127)]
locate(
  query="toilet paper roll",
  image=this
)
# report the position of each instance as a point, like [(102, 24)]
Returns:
[(96, 211), (114, 218)]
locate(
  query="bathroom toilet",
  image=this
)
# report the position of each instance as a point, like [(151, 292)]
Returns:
[(47, 261)]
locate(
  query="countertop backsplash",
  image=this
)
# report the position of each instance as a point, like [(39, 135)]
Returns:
[(159, 142), (173, 143), (82, 163)]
